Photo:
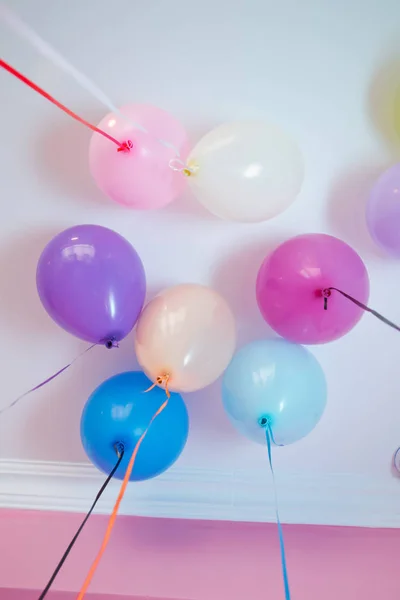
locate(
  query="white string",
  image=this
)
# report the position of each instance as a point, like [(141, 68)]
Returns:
[(43, 48), (19, 27)]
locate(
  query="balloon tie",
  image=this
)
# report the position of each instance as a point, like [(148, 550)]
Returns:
[(43, 383), (111, 343), (125, 146), (267, 424), (114, 513), (176, 164), (327, 292), (161, 380)]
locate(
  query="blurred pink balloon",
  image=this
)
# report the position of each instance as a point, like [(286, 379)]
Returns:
[(290, 283), (141, 178)]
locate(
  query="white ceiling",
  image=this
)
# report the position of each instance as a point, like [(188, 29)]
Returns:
[(314, 67)]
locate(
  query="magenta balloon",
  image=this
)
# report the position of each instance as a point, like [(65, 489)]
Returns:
[(383, 211), (290, 282), (91, 281)]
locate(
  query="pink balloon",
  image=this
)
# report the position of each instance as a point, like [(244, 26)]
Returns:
[(141, 178), (290, 283)]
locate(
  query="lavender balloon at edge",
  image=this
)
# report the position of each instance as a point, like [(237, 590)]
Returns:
[(383, 211)]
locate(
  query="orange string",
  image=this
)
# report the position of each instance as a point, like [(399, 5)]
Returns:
[(113, 516), (161, 380)]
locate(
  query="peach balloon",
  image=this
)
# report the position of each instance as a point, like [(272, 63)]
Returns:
[(141, 178), (186, 334)]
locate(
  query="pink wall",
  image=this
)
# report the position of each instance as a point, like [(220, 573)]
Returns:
[(14, 594), (195, 560)]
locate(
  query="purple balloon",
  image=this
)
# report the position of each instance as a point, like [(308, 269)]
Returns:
[(91, 281), (383, 211)]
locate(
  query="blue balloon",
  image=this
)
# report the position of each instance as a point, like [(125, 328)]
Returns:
[(118, 412), (275, 382)]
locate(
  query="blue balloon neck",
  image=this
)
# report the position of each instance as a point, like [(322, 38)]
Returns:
[(119, 448), (265, 421)]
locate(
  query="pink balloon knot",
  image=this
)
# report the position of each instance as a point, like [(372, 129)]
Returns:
[(326, 293), (125, 146)]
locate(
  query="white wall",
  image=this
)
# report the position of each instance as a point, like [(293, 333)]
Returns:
[(313, 66)]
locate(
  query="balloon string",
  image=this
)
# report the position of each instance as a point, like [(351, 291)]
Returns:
[(326, 293), (114, 513), (270, 439), (120, 453), (43, 383), (122, 146), (20, 28), (161, 380)]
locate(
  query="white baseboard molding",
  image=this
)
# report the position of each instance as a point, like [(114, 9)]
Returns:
[(315, 499)]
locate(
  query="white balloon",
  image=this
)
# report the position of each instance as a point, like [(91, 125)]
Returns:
[(246, 171)]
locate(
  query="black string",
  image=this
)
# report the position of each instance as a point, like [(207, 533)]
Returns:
[(327, 292), (120, 453)]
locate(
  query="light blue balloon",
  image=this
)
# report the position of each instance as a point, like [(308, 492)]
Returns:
[(275, 381)]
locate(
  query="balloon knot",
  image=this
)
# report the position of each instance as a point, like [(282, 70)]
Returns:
[(111, 344), (264, 421), (162, 381), (125, 146), (326, 293), (119, 448), (176, 164)]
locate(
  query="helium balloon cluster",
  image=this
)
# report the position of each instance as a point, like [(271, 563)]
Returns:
[(312, 289), (92, 283)]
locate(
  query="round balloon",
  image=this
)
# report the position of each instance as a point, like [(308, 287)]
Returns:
[(246, 171), (141, 177), (119, 412), (277, 382), (91, 281), (383, 211), (291, 281), (187, 334)]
